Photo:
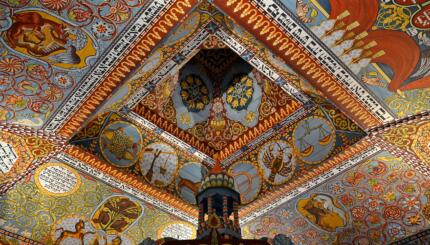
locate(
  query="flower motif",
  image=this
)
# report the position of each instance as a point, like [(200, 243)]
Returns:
[(37, 71), (5, 83), (55, 4), (374, 219), (13, 99), (102, 29), (194, 93), (63, 80), (358, 212), (336, 188), (413, 219), (240, 91), (410, 203), (250, 116), (395, 230), (80, 14), (390, 196), (392, 212), (346, 200), (116, 13), (12, 65), (299, 222), (185, 119)]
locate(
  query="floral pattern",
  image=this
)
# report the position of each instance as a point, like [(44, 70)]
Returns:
[(24, 76), (194, 93), (376, 217), (240, 91)]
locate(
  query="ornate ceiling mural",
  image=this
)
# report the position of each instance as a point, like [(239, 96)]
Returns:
[(112, 113), (294, 152), (47, 48), (377, 202), (68, 206), (369, 45), (142, 155), (217, 97)]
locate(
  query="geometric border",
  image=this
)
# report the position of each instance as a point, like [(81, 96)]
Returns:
[(18, 237)]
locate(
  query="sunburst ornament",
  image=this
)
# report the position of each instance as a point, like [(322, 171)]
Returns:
[(194, 93), (239, 93)]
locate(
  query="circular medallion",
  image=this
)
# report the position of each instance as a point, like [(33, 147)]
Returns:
[(247, 180), (314, 139), (121, 143), (116, 214), (178, 230), (159, 164), (239, 92), (189, 180), (194, 93), (277, 161), (57, 179)]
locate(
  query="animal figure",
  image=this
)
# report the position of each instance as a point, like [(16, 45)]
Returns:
[(276, 163), (41, 37), (79, 233)]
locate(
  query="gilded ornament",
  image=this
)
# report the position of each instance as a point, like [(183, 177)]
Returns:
[(194, 93), (239, 93)]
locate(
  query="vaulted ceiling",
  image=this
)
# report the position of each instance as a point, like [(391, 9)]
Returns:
[(140, 99)]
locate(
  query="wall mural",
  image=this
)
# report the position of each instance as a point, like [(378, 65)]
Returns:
[(379, 201), (59, 205), (366, 36), (143, 154), (46, 47), (297, 149)]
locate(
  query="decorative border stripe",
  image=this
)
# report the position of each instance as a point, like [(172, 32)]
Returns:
[(305, 61), (24, 240), (413, 119), (334, 166), (87, 163)]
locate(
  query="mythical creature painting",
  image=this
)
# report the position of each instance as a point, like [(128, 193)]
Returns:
[(43, 36)]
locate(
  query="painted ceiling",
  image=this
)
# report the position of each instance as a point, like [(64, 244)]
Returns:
[(131, 102)]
